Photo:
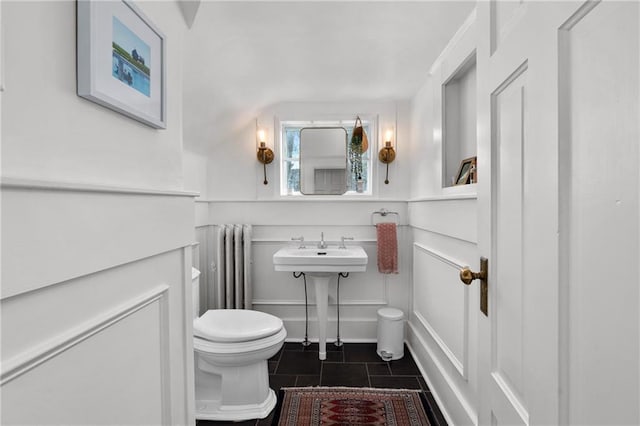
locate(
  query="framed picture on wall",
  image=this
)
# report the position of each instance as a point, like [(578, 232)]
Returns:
[(121, 60), (467, 171)]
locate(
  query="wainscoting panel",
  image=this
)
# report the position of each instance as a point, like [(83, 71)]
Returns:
[(442, 327), (453, 397), (113, 329), (29, 347), (96, 305), (61, 232), (54, 310), (454, 218), (309, 212), (441, 303), (79, 386)]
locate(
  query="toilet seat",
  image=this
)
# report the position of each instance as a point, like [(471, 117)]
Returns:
[(238, 349), (235, 325)]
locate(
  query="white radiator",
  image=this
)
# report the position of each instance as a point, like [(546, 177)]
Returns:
[(233, 267)]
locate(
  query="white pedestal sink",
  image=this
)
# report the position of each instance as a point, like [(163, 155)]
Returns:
[(320, 265)]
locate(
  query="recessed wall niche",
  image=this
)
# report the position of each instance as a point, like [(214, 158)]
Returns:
[(458, 119)]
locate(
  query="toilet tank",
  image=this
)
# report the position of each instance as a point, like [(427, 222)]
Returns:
[(195, 292)]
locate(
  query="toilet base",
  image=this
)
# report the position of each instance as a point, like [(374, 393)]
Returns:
[(214, 410)]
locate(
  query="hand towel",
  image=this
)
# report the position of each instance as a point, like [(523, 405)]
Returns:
[(387, 248)]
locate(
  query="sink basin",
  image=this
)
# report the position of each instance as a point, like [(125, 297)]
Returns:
[(312, 259)]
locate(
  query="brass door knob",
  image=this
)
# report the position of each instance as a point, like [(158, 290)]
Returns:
[(467, 275)]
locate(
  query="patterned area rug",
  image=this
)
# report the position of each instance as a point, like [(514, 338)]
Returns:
[(314, 406)]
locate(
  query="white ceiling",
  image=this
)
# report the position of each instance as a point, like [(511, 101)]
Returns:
[(243, 56)]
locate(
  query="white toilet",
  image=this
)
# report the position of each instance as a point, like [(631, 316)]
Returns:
[(232, 347)]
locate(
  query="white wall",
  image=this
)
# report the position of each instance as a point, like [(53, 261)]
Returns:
[(51, 133), (235, 174), (195, 167), (442, 330), (426, 151), (96, 272)]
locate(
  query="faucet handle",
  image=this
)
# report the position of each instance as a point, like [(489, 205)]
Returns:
[(301, 239), (342, 239), (322, 244)]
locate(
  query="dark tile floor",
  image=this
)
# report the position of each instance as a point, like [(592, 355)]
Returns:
[(354, 364)]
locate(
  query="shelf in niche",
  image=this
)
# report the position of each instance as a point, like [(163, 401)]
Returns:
[(459, 118), (461, 191)]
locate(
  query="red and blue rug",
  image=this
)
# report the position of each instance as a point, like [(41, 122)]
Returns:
[(327, 406)]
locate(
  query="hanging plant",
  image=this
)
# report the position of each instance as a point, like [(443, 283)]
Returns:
[(355, 158), (359, 144)]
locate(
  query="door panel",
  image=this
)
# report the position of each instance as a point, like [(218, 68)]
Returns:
[(507, 322), (600, 141)]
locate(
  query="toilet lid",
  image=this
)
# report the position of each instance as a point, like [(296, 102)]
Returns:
[(235, 325)]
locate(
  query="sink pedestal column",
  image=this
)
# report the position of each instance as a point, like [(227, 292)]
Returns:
[(321, 283)]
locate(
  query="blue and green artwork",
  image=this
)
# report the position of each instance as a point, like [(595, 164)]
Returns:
[(131, 58)]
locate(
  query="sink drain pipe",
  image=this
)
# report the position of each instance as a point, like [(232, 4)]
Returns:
[(306, 341), (338, 342)]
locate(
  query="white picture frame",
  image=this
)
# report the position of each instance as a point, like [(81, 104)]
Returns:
[(121, 60)]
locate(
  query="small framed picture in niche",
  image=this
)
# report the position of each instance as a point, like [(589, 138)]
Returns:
[(467, 172)]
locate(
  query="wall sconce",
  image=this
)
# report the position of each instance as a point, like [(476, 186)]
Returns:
[(387, 154), (264, 153)]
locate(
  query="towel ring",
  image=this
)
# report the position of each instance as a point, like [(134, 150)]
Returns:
[(384, 216)]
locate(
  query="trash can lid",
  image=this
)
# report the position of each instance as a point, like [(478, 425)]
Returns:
[(391, 313)]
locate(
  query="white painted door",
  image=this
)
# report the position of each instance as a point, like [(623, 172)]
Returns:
[(518, 340), (540, 67), (599, 190)]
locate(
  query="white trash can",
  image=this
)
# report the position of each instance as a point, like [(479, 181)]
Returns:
[(390, 334)]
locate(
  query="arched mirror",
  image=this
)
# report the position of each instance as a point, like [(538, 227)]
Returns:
[(323, 160)]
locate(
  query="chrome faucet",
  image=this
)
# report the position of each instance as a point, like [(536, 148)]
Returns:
[(301, 239), (342, 239), (322, 244)]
